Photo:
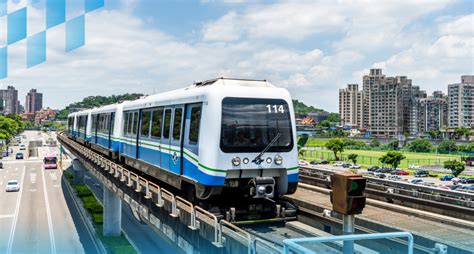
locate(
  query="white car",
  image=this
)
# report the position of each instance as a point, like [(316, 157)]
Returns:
[(416, 181), (338, 164), (355, 166), (303, 163), (22, 147), (12, 185)]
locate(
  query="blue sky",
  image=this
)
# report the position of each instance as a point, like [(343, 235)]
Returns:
[(312, 48)]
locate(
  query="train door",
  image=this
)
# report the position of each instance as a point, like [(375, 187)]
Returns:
[(175, 141), (166, 138), (111, 128), (191, 140)]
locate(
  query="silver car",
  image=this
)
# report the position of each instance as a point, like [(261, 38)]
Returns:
[(12, 185)]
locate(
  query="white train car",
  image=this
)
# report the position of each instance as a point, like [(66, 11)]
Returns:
[(83, 126), (106, 127), (222, 134)]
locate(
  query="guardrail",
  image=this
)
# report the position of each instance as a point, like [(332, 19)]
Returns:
[(294, 245), (163, 198)]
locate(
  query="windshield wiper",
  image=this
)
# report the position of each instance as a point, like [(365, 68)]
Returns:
[(259, 159)]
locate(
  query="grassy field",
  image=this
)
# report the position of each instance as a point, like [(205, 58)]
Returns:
[(368, 158)]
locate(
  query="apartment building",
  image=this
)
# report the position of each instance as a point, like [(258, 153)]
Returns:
[(433, 112), (461, 103), (350, 105)]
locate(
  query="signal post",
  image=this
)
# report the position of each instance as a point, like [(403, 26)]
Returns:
[(347, 198)]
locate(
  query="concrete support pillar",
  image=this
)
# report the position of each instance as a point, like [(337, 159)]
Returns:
[(78, 170), (112, 213)]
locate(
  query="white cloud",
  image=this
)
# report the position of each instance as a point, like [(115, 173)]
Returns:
[(463, 25), (227, 28)]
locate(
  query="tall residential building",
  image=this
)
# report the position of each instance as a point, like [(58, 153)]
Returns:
[(433, 112), (383, 109), (461, 102), (33, 102), (350, 105), (10, 100), (413, 120)]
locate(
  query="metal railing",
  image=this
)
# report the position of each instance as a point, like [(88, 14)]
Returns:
[(294, 245)]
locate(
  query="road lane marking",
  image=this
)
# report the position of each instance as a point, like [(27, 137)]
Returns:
[(17, 211), (48, 213), (6, 216)]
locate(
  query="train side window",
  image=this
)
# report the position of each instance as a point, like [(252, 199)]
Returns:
[(195, 124), (130, 123), (145, 128), (167, 124), (135, 123), (156, 123), (178, 116), (125, 124), (112, 119)]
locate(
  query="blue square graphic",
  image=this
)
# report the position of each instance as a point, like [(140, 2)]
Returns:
[(3, 62), (16, 26), (90, 5), (55, 12), (75, 33), (3, 8), (36, 49)]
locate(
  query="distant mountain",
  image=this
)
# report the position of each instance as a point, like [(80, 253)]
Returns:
[(96, 101)]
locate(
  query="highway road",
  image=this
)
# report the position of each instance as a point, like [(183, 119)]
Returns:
[(37, 219)]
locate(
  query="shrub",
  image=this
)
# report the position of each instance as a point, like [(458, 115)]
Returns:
[(98, 218), (82, 191)]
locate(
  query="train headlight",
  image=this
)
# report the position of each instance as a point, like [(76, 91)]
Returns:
[(236, 161), (246, 160), (269, 160), (278, 160)]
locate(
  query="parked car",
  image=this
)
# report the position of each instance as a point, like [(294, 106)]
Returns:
[(446, 178), (303, 163), (384, 170), (413, 166), (416, 181), (355, 166), (313, 163), (380, 175), (372, 168), (421, 173), (338, 164), (324, 162), (394, 178), (399, 172), (12, 185), (1, 164), (428, 184), (455, 186), (346, 165), (19, 156), (467, 180)]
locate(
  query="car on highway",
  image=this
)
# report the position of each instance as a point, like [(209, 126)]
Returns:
[(1, 164), (422, 173), (338, 164), (431, 184), (416, 181), (22, 147), (313, 162), (394, 178), (372, 168), (19, 156), (12, 185), (455, 186), (446, 178)]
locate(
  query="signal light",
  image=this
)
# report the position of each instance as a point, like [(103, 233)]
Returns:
[(347, 194)]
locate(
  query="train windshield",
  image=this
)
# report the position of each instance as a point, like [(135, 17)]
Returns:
[(249, 125)]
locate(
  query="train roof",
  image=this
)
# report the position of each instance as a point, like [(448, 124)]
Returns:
[(197, 90)]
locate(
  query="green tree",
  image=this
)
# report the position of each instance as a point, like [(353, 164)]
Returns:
[(463, 132), (456, 167), (393, 145), (434, 134), (333, 118), (303, 109), (353, 157), (324, 123), (336, 145), (392, 158), (447, 146), (420, 145), (375, 143)]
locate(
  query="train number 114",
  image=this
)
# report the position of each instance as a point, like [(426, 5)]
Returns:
[(275, 109)]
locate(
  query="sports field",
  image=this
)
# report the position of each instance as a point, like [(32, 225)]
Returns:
[(367, 157)]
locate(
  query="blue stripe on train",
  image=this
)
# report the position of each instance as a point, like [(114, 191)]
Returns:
[(293, 177)]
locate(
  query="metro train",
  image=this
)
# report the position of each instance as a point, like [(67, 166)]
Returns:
[(232, 135)]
